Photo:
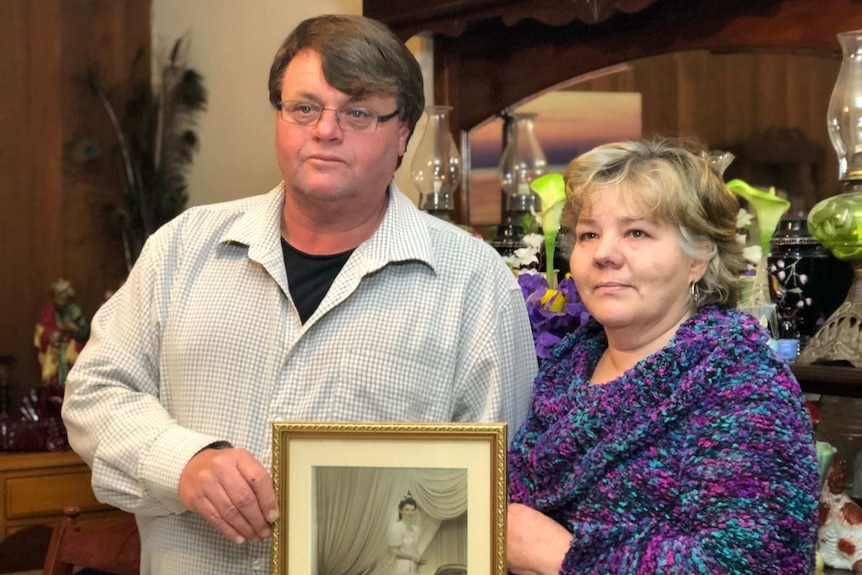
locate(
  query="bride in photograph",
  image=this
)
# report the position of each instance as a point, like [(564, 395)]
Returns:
[(403, 538)]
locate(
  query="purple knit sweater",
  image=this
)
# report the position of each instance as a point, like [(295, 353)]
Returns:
[(700, 459)]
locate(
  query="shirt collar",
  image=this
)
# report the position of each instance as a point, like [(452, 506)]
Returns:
[(259, 227), (401, 236)]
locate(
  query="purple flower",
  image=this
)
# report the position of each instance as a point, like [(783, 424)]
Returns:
[(553, 313), (532, 283)]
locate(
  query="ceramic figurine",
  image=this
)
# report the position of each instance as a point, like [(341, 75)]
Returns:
[(840, 533), (60, 333)]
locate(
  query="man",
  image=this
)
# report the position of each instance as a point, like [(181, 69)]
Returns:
[(330, 298)]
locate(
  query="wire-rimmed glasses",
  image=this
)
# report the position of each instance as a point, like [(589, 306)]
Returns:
[(350, 118)]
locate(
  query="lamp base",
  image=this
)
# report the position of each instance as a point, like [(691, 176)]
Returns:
[(840, 338)]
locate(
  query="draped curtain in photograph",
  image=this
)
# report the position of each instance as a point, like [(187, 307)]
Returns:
[(356, 505)]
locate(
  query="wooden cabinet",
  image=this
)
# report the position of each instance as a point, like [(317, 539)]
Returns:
[(485, 52), (829, 380), (34, 488)]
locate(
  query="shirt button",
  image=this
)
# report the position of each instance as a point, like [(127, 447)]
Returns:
[(257, 564)]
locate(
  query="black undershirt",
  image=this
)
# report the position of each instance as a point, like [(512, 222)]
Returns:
[(310, 277)]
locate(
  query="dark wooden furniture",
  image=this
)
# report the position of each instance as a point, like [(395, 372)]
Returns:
[(25, 550), (490, 54), (829, 380), (34, 488), (787, 159), (109, 545)]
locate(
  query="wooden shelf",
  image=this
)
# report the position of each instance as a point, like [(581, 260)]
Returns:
[(829, 379)]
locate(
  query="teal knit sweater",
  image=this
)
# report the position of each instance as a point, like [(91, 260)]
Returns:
[(700, 459)]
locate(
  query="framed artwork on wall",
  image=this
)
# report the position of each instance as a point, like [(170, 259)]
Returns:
[(378, 497)]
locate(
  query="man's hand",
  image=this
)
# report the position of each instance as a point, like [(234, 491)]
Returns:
[(231, 490), (535, 543)]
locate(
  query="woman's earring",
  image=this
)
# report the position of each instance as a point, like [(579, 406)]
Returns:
[(694, 292)]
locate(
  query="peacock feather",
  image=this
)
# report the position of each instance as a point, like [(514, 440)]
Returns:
[(156, 142)]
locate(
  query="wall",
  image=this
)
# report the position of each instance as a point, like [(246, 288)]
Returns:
[(722, 99), (232, 43), (51, 219)]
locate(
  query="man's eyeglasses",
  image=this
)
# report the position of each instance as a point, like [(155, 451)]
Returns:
[(349, 118)]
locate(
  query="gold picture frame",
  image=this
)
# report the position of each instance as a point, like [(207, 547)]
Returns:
[(367, 466)]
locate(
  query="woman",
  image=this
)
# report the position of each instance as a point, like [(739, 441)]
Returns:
[(664, 435), (404, 539)]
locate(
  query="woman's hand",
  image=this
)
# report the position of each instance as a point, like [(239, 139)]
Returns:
[(535, 543)]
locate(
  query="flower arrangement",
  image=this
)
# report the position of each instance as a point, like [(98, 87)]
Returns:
[(752, 253), (551, 191), (768, 209), (526, 257), (555, 309), (553, 312)]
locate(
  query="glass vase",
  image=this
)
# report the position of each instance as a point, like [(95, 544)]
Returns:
[(436, 167), (718, 160), (806, 281), (755, 294)]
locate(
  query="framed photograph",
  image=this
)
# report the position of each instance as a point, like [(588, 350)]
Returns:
[(389, 498)]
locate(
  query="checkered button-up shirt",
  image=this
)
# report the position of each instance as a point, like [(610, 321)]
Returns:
[(202, 344)]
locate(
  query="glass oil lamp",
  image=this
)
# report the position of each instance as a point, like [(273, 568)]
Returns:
[(836, 222), (521, 162), (436, 166)]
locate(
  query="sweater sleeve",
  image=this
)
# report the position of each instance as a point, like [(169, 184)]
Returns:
[(735, 494)]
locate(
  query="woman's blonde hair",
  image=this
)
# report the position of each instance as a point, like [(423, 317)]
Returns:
[(670, 181)]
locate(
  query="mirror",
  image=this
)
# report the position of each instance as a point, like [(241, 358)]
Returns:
[(768, 108)]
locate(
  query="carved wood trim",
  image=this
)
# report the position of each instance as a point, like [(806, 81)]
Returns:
[(561, 12), (501, 66), (452, 17)]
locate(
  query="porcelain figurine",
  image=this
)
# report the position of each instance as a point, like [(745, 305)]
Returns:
[(60, 333), (840, 533)]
